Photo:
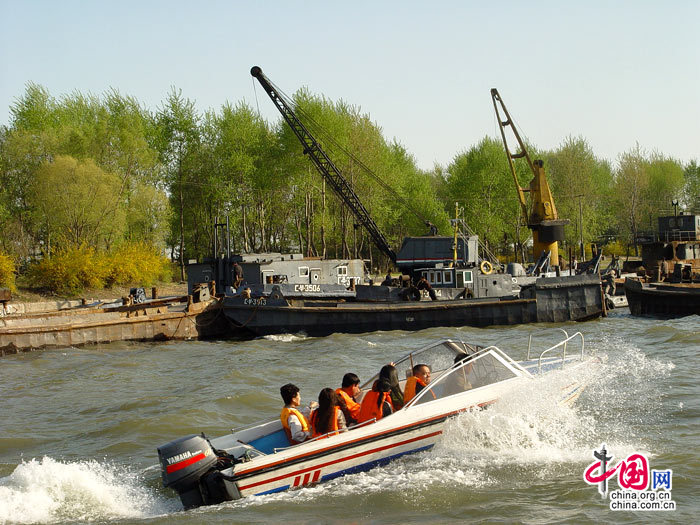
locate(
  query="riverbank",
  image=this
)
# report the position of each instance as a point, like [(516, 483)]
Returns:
[(26, 294)]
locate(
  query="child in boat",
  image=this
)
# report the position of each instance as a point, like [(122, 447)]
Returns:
[(328, 417), (294, 420)]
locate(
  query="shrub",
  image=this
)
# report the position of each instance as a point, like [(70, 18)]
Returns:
[(137, 263), (70, 270), (615, 248), (7, 272)]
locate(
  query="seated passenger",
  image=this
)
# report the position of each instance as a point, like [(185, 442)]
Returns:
[(417, 382), (457, 381), (348, 392), (377, 402), (389, 373), (294, 420), (328, 417)]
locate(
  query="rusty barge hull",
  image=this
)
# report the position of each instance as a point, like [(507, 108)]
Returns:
[(81, 326)]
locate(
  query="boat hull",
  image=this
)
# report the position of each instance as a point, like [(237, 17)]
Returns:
[(550, 300), (356, 451), (662, 300)]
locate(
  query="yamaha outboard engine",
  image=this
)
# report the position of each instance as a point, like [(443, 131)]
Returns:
[(191, 467)]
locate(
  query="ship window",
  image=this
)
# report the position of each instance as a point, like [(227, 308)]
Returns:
[(447, 277), (303, 271), (438, 278), (468, 277), (342, 270), (424, 274)]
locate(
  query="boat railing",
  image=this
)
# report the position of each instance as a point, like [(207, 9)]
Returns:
[(561, 344)]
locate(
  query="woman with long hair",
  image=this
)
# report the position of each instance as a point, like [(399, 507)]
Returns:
[(389, 373), (377, 402), (328, 417)]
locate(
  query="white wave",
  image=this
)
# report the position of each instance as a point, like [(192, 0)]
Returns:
[(49, 491), (286, 338)]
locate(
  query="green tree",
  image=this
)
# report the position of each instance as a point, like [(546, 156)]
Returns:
[(480, 181), (86, 209), (581, 185), (178, 141), (691, 190), (644, 188)]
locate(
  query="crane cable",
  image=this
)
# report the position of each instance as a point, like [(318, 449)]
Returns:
[(320, 129)]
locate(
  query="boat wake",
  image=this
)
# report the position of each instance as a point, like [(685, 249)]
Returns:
[(48, 491)]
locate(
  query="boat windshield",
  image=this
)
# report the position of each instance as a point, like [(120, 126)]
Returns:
[(438, 356), (481, 369)]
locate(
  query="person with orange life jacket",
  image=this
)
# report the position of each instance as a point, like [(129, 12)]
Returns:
[(348, 392), (390, 373), (377, 402), (294, 420), (417, 382), (328, 417)]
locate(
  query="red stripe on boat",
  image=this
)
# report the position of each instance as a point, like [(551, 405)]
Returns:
[(346, 458), (306, 477), (184, 463), (317, 475)]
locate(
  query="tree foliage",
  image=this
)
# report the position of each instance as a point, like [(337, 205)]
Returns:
[(103, 173)]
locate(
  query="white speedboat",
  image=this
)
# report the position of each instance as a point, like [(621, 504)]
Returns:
[(259, 459)]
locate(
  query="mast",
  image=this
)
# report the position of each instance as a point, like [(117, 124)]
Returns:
[(325, 166)]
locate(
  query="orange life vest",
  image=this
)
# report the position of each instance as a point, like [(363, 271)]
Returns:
[(284, 416), (333, 426), (369, 408), (353, 406), (409, 391)]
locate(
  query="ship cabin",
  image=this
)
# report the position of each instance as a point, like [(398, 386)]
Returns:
[(677, 241)]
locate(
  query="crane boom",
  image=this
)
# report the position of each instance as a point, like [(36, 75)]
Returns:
[(325, 166), (542, 219)]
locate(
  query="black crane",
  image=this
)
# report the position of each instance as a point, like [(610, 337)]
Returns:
[(325, 165)]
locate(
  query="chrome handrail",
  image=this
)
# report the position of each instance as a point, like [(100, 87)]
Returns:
[(562, 344)]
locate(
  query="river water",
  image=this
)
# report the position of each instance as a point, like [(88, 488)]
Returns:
[(79, 428)]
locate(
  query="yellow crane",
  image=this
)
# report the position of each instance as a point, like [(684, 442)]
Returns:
[(541, 217)]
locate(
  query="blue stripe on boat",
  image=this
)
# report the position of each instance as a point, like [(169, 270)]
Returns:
[(354, 470)]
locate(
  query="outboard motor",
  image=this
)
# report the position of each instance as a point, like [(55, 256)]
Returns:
[(191, 466)]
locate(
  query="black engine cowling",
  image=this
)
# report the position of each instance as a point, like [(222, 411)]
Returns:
[(189, 466)]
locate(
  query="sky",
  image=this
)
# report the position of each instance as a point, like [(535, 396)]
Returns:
[(619, 74)]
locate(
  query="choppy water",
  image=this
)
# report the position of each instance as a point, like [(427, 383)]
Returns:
[(79, 429)]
